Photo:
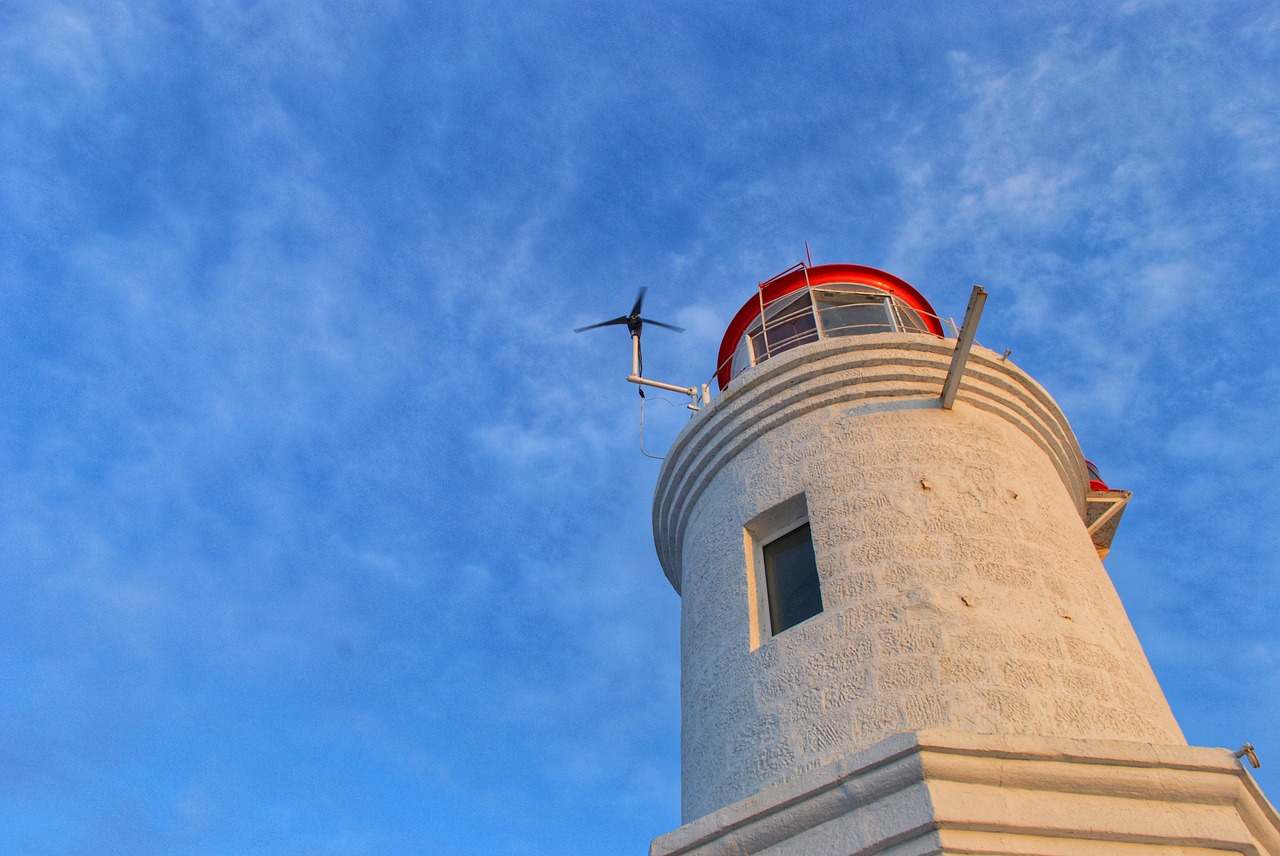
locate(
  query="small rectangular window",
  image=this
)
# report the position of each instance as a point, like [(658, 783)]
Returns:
[(782, 585), (791, 579)]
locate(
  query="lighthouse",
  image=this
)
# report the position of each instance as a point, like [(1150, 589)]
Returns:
[(897, 634)]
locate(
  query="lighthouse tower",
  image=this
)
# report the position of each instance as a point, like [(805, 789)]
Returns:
[(897, 635)]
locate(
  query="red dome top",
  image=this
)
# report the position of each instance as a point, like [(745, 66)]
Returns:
[(795, 280)]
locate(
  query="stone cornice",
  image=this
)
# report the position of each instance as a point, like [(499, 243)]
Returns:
[(943, 790)]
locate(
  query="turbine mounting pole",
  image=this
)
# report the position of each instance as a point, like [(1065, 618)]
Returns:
[(635, 353)]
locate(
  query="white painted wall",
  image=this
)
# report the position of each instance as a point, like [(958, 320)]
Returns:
[(960, 587)]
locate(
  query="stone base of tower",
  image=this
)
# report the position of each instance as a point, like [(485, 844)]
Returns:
[(945, 792)]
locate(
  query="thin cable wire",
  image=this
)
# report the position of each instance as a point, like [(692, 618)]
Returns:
[(643, 399)]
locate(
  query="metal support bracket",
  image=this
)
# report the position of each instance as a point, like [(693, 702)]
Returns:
[(1102, 510), (964, 343), (695, 394), (1115, 507), (691, 391)]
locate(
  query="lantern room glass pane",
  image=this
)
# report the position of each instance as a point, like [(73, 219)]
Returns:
[(789, 322), (852, 313), (741, 356), (909, 321), (791, 579)]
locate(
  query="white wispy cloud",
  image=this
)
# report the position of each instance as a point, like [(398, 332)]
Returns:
[(307, 487)]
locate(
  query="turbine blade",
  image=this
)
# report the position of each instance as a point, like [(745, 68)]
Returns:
[(635, 310), (621, 320), (660, 324)]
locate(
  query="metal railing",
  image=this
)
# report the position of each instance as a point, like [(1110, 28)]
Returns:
[(762, 340)]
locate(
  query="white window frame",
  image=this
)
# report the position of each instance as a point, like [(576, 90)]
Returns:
[(762, 530)]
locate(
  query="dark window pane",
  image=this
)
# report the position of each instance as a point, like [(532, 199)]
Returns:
[(791, 578)]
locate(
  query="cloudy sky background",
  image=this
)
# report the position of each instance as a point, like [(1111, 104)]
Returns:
[(321, 533)]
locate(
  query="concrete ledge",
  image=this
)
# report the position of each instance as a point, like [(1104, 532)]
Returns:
[(937, 792)]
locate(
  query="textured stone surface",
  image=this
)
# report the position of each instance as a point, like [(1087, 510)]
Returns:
[(945, 792), (960, 587)]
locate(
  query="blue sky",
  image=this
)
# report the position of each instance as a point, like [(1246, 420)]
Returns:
[(321, 533)]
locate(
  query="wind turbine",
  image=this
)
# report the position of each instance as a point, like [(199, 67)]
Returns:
[(635, 326)]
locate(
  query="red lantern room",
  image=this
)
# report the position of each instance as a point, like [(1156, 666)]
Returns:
[(806, 304)]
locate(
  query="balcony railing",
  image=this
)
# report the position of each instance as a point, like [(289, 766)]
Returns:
[(814, 313)]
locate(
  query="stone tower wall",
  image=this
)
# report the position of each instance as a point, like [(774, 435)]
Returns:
[(960, 587)]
